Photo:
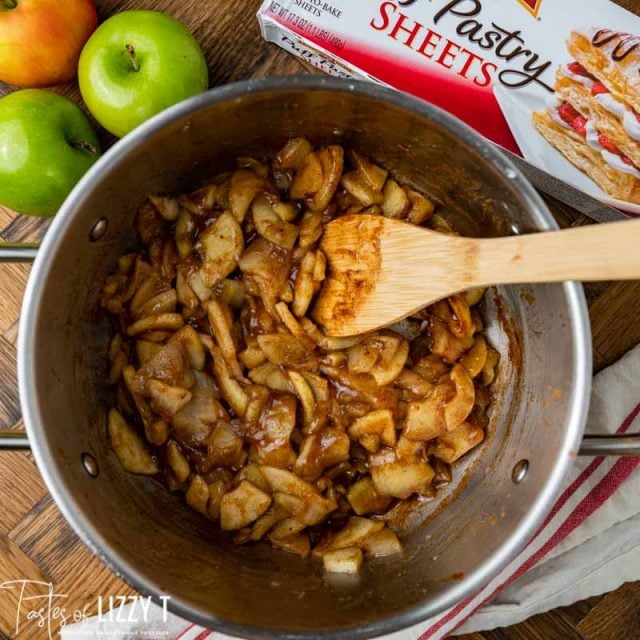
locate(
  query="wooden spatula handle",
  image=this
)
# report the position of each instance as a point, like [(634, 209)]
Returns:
[(596, 252)]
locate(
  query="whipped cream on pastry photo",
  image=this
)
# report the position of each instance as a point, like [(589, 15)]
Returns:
[(593, 119)]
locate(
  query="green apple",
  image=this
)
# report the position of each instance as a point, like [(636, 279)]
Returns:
[(46, 146), (137, 64)]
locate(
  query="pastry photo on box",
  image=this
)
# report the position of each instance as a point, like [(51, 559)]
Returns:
[(594, 117)]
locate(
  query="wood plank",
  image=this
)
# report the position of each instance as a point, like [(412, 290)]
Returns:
[(6, 215), (9, 403), (26, 229), (20, 480), (554, 625), (13, 280), (45, 537), (615, 322), (616, 617), (16, 566), (52, 546), (11, 334)]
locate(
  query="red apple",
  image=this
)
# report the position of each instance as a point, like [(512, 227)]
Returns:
[(41, 40)]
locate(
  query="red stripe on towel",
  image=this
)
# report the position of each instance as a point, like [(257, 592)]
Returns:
[(587, 506), (184, 633)]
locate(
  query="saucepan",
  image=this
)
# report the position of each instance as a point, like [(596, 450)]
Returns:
[(499, 496)]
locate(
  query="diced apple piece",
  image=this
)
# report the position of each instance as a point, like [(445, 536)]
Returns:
[(474, 360), (169, 365), (286, 529), (293, 153), (165, 399), (270, 226), (454, 444), (300, 544), (332, 163), (374, 175), (224, 447), (184, 234), (167, 207), (217, 489), (220, 319), (276, 423), (283, 349), (157, 432), (221, 245), (245, 186), (379, 423), (319, 386), (381, 544), (310, 510), (193, 424), (197, 495), (395, 203), (305, 394), (364, 498), (231, 389), (347, 560), (129, 447), (362, 357), (319, 451), (425, 418), (271, 376), (177, 462), (392, 359), (196, 283), (163, 302), (253, 474), (146, 350), (193, 348), (232, 292), (308, 178), (357, 186), (351, 535), (268, 265), (399, 478), (242, 506), (264, 523), (457, 410), (489, 369), (421, 208), (287, 482), (252, 357)]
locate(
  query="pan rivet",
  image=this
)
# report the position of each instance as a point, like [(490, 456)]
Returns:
[(511, 174), (98, 230), (520, 471), (90, 465)]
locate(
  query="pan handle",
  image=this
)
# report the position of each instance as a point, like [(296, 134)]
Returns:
[(14, 441), (18, 251), (611, 445), (592, 445)]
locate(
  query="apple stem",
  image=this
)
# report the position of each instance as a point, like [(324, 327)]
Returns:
[(10, 4), (135, 65), (83, 145)]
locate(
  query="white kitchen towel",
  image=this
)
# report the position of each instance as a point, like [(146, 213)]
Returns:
[(588, 545)]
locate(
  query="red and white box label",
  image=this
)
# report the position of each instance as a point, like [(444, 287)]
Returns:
[(492, 63)]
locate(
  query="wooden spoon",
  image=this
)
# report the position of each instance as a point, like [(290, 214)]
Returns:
[(381, 270)]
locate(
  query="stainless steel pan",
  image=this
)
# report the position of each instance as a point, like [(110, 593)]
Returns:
[(158, 545)]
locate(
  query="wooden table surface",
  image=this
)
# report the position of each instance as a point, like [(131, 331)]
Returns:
[(35, 541)]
